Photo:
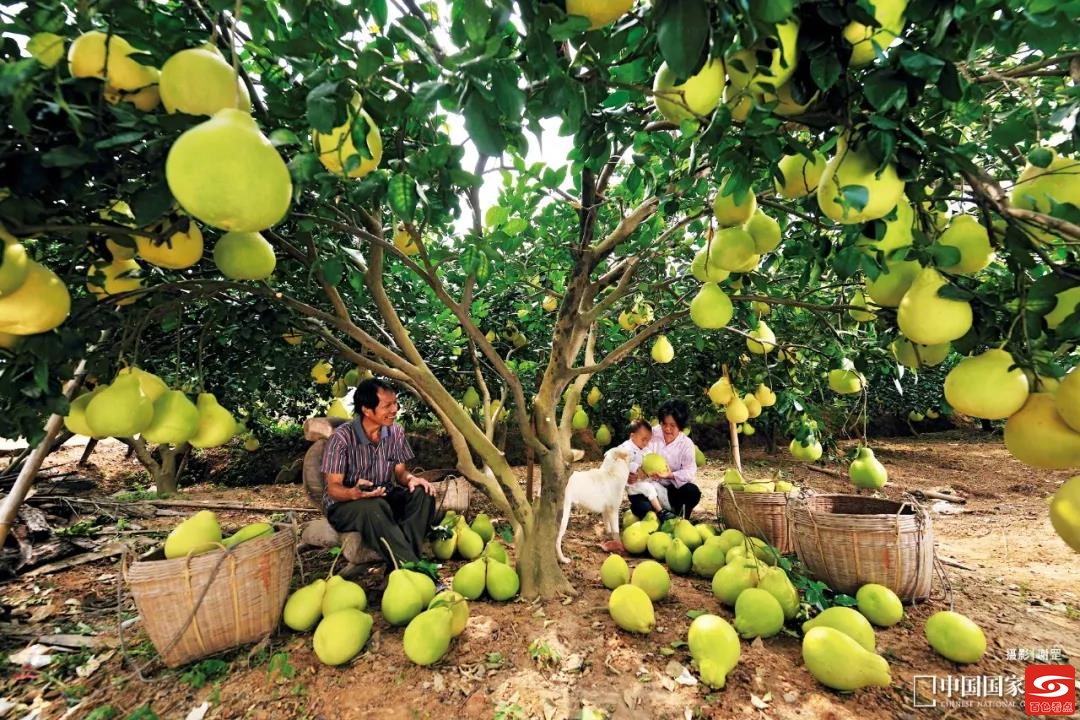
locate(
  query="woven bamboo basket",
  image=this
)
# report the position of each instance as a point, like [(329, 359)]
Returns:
[(762, 515), (197, 606), (849, 540)]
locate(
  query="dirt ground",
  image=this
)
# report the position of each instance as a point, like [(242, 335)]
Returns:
[(1004, 568)]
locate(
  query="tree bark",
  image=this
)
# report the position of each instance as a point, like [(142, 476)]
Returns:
[(537, 565)]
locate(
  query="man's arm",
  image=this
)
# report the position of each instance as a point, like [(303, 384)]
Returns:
[(336, 490), (410, 482)]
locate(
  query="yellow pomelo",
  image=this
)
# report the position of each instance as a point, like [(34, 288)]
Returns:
[(929, 319), (845, 381), (14, 267), (1067, 400), (745, 70), (863, 38), (765, 396), (764, 340), (90, 56), (75, 420), (244, 256), (698, 96), (226, 173), (121, 409), (614, 572), (632, 609), (955, 637), (1036, 187), (1036, 435), (147, 98), (899, 232), (175, 421), (711, 309), (216, 424), (733, 248), (599, 12), (341, 635), (179, 251), (662, 351), (786, 104), (151, 384), (47, 48), (859, 300), (404, 241), (848, 621), (758, 614), (40, 303), (199, 81), (654, 463), (335, 148), (1067, 300), (765, 231), (721, 391), (889, 288), (731, 211), (197, 534), (801, 175), (849, 169), (840, 662), (593, 398), (915, 356), (711, 638), (580, 419), (105, 280), (736, 410), (322, 372), (1065, 512), (879, 605), (653, 578), (739, 102), (967, 235), (983, 386)]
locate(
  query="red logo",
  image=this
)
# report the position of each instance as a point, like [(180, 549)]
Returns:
[(1050, 690)]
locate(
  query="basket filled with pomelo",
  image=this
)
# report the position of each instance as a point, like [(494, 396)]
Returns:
[(847, 541), (757, 508)]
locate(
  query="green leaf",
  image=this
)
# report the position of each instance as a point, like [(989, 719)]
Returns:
[(482, 125), (66, 156), (332, 269), (771, 12), (855, 196), (495, 216), (402, 196), (922, 65), (825, 69), (683, 34), (886, 90), (283, 137), (323, 107)]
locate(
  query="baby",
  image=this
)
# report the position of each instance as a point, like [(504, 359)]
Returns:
[(643, 493)]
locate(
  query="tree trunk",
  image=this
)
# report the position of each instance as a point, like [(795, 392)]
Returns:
[(167, 477), (537, 565)]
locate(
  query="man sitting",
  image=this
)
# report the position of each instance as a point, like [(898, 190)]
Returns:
[(369, 488)]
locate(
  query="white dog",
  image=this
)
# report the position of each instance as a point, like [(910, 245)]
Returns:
[(599, 490)]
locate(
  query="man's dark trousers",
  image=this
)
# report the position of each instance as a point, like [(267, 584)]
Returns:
[(401, 518)]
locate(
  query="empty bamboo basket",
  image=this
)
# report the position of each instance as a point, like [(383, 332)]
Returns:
[(762, 515), (847, 541), (197, 606)]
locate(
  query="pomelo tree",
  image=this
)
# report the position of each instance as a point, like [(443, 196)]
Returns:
[(805, 158)]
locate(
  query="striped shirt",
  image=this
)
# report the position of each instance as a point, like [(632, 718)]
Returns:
[(349, 452), (679, 455)]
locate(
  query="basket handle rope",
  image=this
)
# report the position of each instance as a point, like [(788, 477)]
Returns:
[(747, 520), (921, 516), (194, 603)]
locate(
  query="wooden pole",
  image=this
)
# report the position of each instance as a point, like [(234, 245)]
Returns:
[(11, 503), (736, 456)]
